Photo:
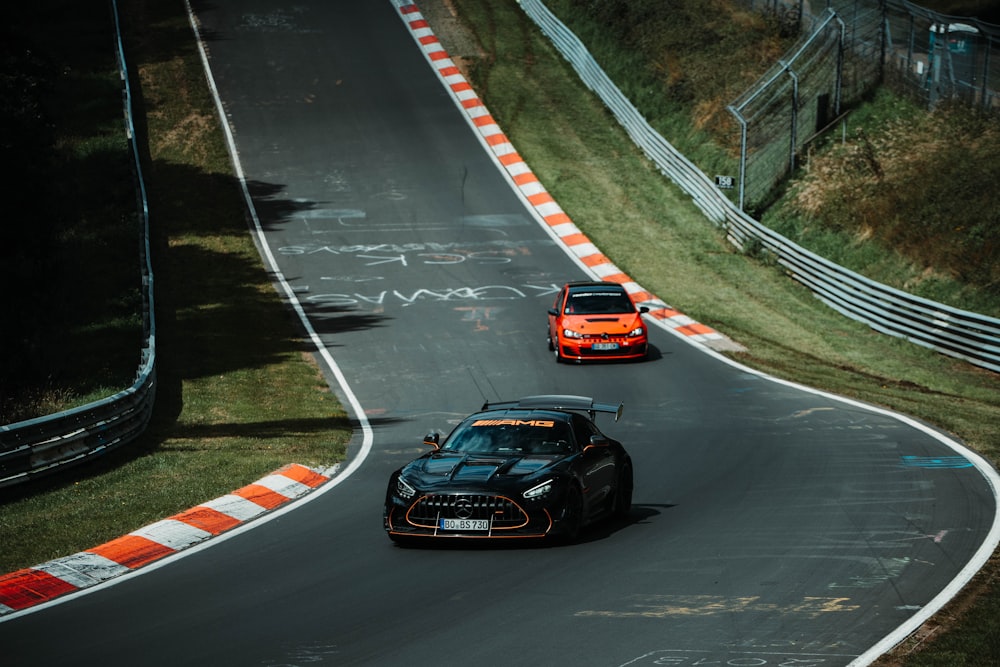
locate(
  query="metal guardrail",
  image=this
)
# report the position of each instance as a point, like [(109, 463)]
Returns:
[(37, 446), (957, 333)]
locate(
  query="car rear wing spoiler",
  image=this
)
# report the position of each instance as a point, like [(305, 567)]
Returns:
[(559, 402)]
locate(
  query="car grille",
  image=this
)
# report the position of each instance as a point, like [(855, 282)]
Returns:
[(503, 512), (589, 351), (622, 350)]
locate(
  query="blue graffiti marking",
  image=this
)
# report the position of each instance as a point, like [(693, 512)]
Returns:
[(936, 462)]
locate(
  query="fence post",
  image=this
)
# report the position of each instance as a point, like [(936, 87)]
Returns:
[(793, 130), (743, 152)]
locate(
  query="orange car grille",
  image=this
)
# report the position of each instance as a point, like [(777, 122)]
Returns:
[(500, 511), (586, 350)]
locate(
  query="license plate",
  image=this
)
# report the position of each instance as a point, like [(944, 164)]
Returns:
[(605, 346), (465, 524)]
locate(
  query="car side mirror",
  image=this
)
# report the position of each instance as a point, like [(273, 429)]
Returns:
[(643, 309), (433, 440), (553, 311), (597, 441)]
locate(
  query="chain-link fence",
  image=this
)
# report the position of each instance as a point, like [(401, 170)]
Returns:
[(848, 48), (795, 99), (934, 56), (832, 67)]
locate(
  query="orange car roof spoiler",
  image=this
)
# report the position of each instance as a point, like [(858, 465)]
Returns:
[(559, 402)]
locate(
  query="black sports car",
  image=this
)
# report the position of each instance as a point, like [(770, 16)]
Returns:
[(534, 468)]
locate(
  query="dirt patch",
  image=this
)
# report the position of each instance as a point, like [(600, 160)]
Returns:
[(460, 43)]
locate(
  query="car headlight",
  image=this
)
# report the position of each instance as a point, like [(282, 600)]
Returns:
[(569, 333), (539, 490), (404, 490), (638, 331)]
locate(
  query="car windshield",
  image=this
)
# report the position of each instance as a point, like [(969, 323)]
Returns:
[(598, 302), (508, 437)]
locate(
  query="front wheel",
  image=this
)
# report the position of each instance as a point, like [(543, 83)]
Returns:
[(572, 515), (623, 492)]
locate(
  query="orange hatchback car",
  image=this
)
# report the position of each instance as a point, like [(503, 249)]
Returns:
[(596, 320)]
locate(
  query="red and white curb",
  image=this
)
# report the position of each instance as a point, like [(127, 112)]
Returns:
[(559, 223), (35, 585)]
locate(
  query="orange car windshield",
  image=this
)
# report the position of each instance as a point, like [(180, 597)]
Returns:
[(598, 303)]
